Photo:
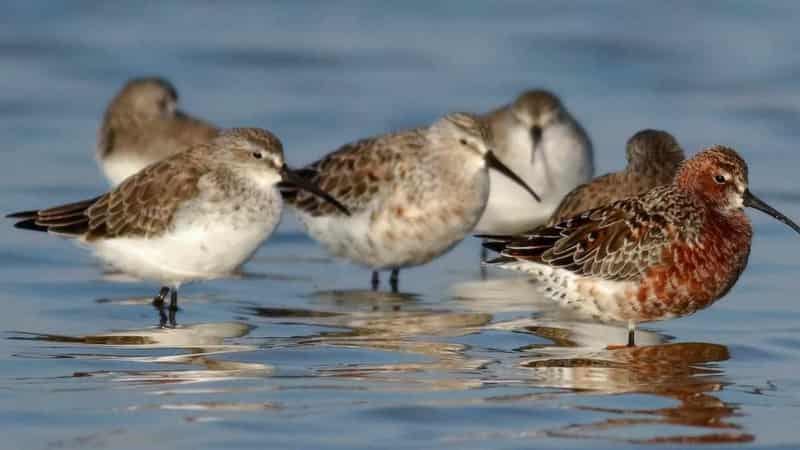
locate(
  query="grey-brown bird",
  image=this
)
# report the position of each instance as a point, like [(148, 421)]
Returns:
[(653, 159), (143, 125)]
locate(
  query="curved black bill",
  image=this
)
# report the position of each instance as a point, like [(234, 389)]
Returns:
[(292, 179), (752, 201), (495, 164)]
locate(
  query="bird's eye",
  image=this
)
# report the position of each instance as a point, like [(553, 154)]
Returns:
[(257, 155), (463, 141), (720, 179), (162, 104)]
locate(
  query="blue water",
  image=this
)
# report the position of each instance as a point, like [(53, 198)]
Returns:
[(297, 353)]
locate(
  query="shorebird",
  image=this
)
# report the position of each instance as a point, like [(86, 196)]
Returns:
[(653, 159), (196, 215), (413, 195), (667, 253), (537, 137), (142, 125)]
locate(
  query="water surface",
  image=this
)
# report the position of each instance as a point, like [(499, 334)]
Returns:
[(297, 353)]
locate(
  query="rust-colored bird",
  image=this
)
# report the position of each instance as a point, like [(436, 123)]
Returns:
[(667, 253)]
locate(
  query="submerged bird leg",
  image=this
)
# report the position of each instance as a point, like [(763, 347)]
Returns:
[(394, 278), (376, 280), (631, 333), (484, 255)]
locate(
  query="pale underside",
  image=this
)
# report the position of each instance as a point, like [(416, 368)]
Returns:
[(207, 240), (429, 202), (585, 297)]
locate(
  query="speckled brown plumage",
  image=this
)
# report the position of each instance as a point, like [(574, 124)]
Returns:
[(144, 204), (359, 172), (653, 159), (666, 253)]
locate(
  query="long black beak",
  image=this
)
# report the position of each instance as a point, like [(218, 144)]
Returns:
[(495, 164), (752, 201), (292, 179)]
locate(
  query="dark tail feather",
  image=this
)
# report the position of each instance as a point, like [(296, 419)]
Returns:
[(29, 224), (70, 219), (32, 214)]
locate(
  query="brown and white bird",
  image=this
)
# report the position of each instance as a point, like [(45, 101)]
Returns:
[(196, 215), (653, 159), (413, 194), (143, 125)]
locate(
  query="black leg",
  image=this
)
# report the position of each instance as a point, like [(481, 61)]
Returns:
[(631, 336), (484, 255), (173, 300), (173, 307), (158, 304), (376, 280), (162, 316), (394, 279)]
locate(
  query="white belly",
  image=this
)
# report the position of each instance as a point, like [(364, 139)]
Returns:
[(392, 233), (198, 250), (587, 297)]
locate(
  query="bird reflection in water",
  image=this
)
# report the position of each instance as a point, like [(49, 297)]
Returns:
[(679, 371), (574, 356), (195, 345)]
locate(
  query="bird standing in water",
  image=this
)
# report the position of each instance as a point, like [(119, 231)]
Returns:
[(413, 195), (664, 254), (197, 215)]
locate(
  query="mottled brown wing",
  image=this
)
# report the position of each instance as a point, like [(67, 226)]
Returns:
[(144, 204), (614, 242), (354, 174)]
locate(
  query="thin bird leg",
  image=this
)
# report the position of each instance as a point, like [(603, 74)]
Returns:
[(394, 278), (376, 280), (158, 304), (631, 333), (173, 307), (173, 300), (484, 255)]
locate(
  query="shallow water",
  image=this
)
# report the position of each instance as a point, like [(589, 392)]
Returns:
[(297, 353)]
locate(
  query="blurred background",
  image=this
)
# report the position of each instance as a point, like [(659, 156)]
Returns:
[(453, 360)]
